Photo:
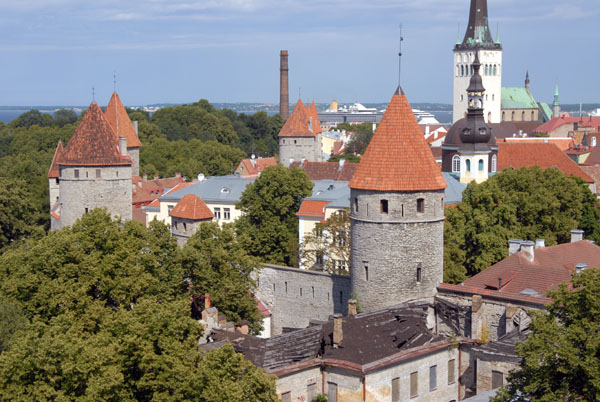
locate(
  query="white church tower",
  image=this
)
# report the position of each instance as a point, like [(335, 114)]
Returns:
[(478, 39)]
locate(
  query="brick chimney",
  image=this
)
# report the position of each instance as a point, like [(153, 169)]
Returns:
[(351, 307), (284, 92), (206, 301), (338, 333)]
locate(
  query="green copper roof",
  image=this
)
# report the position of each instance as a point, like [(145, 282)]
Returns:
[(517, 98), (556, 100), (546, 111)]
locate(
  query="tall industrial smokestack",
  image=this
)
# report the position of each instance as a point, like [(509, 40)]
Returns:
[(284, 92)]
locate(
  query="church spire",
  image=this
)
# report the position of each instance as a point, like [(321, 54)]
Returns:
[(478, 30), (527, 82), (556, 104)]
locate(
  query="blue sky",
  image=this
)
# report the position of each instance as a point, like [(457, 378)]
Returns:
[(55, 51)]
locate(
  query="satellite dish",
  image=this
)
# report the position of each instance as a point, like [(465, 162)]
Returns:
[(200, 177)]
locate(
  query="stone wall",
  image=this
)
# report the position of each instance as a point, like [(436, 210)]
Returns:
[(54, 190), (134, 154), (298, 384), (112, 190), (485, 368), (295, 296), (298, 148), (389, 249), (182, 229)]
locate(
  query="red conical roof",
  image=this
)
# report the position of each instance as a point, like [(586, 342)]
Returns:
[(191, 207), (119, 120), (297, 124), (94, 143), (53, 172), (398, 157)]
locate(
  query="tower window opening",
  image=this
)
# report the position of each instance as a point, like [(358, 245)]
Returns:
[(532, 116), (495, 70), (419, 273), (313, 292), (456, 164), (384, 206), (87, 210), (300, 291), (366, 273), (117, 173), (76, 173), (494, 163), (481, 165), (420, 205), (355, 204), (98, 173), (87, 174), (468, 165), (402, 210), (341, 297), (286, 288)]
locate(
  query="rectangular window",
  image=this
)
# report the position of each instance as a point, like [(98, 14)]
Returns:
[(311, 391), (184, 226), (414, 384), (76, 173), (98, 173), (217, 213), (402, 207), (451, 371), (419, 273), (170, 208), (384, 206), (355, 204), (432, 378), (340, 265), (497, 379), (341, 238), (420, 205), (226, 214), (396, 390), (87, 174), (332, 392), (87, 210), (286, 397)]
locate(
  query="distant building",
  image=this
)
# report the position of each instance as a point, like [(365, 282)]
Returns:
[(252, 168), (123, 127), (518, 104), (187, 216), (300, 138)]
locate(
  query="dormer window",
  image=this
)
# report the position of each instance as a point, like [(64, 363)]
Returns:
[(467, 131), (482, 131)]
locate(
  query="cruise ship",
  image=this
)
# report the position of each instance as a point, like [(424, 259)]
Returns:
[(358, 113)]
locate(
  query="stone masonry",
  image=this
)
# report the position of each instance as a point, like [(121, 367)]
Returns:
[(297, 149), (397, 256)]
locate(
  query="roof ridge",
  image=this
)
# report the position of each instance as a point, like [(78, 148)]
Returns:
[(120, 122)]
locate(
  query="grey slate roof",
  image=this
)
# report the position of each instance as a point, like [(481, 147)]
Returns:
[(337, 192), (214, 189), (453, 193)]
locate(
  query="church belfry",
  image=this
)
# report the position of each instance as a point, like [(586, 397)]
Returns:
[(478, 40)]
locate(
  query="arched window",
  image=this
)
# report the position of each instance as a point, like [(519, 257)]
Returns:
[(495, 70), (481, 165), (494, 163), (486, 70), (472, 71), (468, 164), (503, 116), (512, 116), (456, 164), (532, 115), (457, 70), (462, 71), (523, 116)]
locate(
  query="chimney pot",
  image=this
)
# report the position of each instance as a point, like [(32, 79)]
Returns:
[(527, 247), (540, 243), (351, 307), (178, 175), (338, 334), (155, 177), (123, 146), (514, 246), (206, 301), (576, 235)]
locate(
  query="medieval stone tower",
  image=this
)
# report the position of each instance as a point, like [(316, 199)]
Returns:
[(123, 127), (397, 214), (94, 171), (300, 138), (478, 39)]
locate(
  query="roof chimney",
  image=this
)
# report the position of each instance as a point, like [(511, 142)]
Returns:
[(576, 235), (135, 127), (527, 247), (145, 177), (351, 307), (123, 146), (514, 246), (338, 334), (540, 243), (341, 164), (206, 301), (580, 268), (177, 174)]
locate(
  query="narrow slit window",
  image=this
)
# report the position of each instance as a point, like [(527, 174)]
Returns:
[(384, 206), (366, 273), (419, 273), (76, 173), (98, 173), (356, 204)]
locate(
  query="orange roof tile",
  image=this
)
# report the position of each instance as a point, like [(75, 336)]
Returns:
[(398, 157), (250, 168), (94, 143), (312, 112), (138, 214), (191, 207), (297, 124), (562, 143), (544, 155), (327, 170), (53, 172), (313, 209), (120, 122)]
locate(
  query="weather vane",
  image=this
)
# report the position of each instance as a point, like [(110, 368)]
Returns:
[(93, 95), (400, 56), (115, 80)]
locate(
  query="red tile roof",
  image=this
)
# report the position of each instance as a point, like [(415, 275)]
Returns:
[(53, 172), (119, 120), (327, 170), (544, 155), (551, 266), (297, 124), (250, 168), (191, 207), (312, 112), (593, 172), (313, 209), (138, 214), (398, 157), (562, 143), (94, 143), (557, 122)]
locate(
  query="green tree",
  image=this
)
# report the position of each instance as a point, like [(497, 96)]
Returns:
[(215, 262), (527, 203), (269, 226), (63, 117), (360, 140), (33, 118), (561, 357), (11, 320), (17, 212), (346, 157)]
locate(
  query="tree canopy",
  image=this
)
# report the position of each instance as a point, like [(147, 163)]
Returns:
[(528, 204), (103, 312), (269, 226), (561, 357)]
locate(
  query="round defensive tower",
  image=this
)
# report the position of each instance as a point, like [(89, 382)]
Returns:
[(397, 214)]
